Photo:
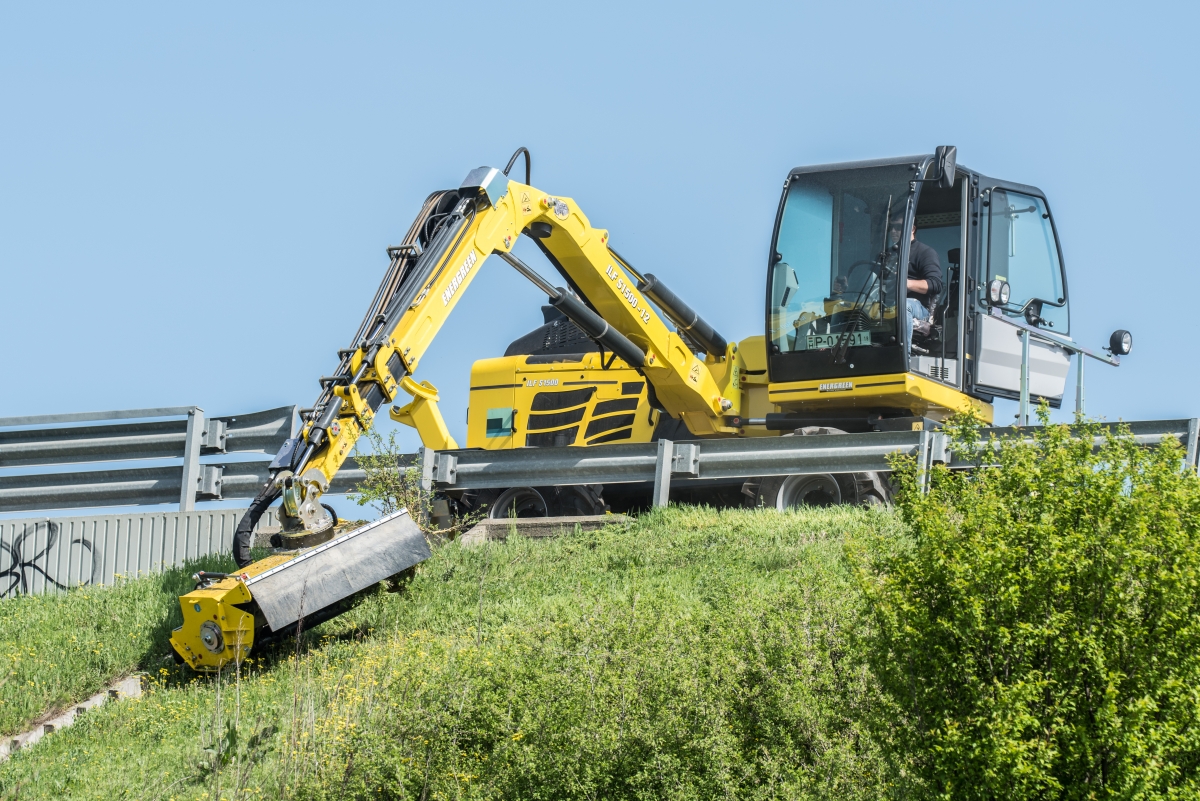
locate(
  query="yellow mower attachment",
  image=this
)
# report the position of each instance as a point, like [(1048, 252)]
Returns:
[(270, 598), (215, 631)]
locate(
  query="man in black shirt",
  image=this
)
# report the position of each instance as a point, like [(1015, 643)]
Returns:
[(924, 283)]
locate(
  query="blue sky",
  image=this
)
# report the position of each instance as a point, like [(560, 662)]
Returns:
[(195, 201)]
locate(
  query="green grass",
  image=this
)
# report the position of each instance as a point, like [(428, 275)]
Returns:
[(692, 654), (56, 650)]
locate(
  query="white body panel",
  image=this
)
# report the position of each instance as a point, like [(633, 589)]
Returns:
[(944, 370), (999, 365)]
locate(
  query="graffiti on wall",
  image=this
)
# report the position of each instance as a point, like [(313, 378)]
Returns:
[(22, 560)]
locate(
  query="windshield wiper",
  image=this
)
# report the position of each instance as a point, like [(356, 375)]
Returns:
[(843, 343)]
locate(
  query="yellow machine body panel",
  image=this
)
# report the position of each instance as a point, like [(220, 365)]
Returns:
[(215, 631), (921, 396), (515, 404), (754, 385)]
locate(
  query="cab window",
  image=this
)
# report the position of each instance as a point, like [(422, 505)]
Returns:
[(1022, 251), (838, 248)]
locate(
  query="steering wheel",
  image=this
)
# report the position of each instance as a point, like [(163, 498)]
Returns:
[(850, 271)]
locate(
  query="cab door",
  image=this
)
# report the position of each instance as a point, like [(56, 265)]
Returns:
[(940, 224), (1019, 246)]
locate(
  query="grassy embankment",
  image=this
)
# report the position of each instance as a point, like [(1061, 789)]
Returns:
[(56, 650), (691, 654)]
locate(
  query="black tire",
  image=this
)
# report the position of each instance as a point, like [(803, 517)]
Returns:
[(569, 501), (575, 501), (518, 502), (818, 489)]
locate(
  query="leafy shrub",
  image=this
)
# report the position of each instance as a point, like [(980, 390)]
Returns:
[(391, 483), (388, 485), (1041, 636)]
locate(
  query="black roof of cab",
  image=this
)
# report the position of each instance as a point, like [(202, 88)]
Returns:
[(984, 181), (855, 165)]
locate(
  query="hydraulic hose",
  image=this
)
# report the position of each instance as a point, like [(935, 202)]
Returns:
[(513, 161), (243, 536)]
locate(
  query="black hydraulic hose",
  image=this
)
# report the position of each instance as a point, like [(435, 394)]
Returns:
[(597, 328), (448, 237), (513, 161), (684, 316), (243, 536)]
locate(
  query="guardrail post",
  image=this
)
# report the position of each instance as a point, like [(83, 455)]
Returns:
[(1023, 412), (428, 464), (662, 472), (1079, 357), (191, 459), (924, 459), (1193, 434)]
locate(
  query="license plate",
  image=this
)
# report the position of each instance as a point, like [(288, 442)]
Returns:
[(853, 340)]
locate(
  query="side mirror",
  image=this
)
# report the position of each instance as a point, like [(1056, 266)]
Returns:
[(947, 158)]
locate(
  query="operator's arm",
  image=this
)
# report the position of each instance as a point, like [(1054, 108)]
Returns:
[(924, 271)]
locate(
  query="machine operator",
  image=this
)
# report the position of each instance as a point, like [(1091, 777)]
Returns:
[(924, 283)]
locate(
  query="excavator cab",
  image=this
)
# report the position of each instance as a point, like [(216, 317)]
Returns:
[(838, 343)]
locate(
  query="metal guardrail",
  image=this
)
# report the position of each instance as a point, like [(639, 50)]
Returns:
[(664, 461), (142, 486), (57, 440)]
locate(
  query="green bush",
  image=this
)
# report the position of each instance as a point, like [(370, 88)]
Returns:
[(1041, 637)]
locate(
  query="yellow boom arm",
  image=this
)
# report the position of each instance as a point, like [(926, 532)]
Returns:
[(443, 251)]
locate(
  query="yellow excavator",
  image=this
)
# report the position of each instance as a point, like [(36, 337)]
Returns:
[(841, 352), (318, 574)]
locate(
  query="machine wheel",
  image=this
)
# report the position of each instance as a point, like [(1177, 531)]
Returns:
[(789, 492), (575, 500), (818, 489), (518, 502), (564, 501)]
